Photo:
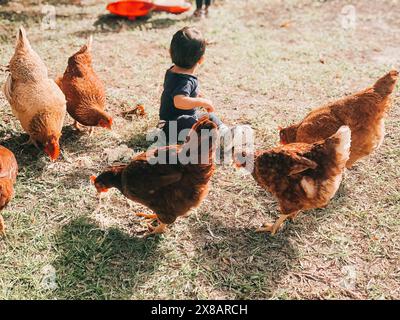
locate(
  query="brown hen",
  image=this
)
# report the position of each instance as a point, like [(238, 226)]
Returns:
[(363, 112), (171, 189), (84, 91), (301, 176), (8, 176)]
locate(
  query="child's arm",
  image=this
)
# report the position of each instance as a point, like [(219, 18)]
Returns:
[(187, 103)]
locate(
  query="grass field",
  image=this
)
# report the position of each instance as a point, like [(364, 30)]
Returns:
[(268, 64)]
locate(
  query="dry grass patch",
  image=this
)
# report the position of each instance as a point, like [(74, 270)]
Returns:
[(262, 69)]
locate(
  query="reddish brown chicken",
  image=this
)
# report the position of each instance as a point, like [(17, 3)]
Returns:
[(301, 176), (84, 91), (8, 176), (169, 190), (363, 112)]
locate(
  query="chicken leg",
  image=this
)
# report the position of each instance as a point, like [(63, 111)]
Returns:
[(31, 142), (161, 228), (293, 215), (77, 126), (273, 227), (81, 128), (150, 216)]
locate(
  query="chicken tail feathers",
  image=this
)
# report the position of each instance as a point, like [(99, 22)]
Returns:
[(22, 39), (89, 43), (204, 134), (204, 123), (385, 85), (87, 47)]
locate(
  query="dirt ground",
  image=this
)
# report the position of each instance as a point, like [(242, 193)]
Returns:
[(268, 64)]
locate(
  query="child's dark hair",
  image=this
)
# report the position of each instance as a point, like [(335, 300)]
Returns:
[(187, 47)]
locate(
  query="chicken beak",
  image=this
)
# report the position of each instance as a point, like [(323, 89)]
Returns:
[(106, 124), (52, 150), (99, 189), (55, 156)]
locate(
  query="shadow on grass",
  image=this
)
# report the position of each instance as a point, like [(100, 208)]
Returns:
[(101, 264), (114, 23), (139, 143), (76, 178), (29, 158), (109, 23), (33, 160), (241, 262), (20, 17), (73, 140)]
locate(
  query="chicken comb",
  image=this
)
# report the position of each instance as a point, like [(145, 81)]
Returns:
[(93, 179)]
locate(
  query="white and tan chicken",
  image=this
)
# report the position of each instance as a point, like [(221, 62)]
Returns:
[(35, 99)]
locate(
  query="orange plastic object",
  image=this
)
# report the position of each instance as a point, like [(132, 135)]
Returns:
[(131, 9), (175, 9), (135, 8)]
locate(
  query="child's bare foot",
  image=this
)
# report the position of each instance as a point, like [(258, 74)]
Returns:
[(197, 13), (206, 11)]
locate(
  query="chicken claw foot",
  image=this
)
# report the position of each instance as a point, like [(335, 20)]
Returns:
[(81, 128), (161, 228), (77, 126), (273, 227), (267, 227)]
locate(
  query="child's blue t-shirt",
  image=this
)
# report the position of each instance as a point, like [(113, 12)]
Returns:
[(177, 84)]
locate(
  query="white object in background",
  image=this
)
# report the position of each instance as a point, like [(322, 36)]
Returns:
[(49, 279), (348, 17), (49, 17)]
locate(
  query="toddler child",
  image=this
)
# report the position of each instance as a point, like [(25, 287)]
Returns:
[(180, 100)]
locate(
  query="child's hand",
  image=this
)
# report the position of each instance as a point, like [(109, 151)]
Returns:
[(208, 105)]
